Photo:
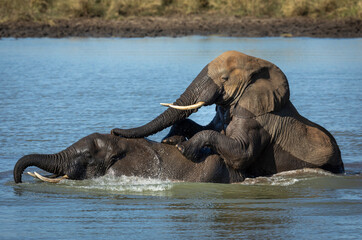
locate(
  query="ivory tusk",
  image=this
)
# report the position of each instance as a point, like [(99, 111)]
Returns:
[(52, 180), (166, 104), (32, 174), (189, 107)]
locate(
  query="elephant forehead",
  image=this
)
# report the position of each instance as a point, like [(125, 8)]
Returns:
[(100, 143), (227, 62)]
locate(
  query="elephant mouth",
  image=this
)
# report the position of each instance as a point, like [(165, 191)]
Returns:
[(55, 179), (188, 107)]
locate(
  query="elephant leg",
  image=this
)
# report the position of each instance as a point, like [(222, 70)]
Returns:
[(239, 149), (186, 129), (182, 130), (235, 154)]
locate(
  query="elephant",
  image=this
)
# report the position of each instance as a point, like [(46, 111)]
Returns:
[(256, 129), (98, 154)]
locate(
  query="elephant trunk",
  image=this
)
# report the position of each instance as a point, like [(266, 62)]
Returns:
[(164, 120), (194, 93), (48, 162)]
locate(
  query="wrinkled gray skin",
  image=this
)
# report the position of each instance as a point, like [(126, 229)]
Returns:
[(256, 130), (99, 154)]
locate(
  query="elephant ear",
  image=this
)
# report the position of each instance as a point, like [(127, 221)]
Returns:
[(267, 89)]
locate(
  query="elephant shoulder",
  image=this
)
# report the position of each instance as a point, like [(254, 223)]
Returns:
[(241, 112)]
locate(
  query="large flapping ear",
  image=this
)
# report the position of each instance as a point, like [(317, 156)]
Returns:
[(267, 89)]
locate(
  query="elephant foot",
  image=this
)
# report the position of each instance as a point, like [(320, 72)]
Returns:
[(190, 151), (116, 132), (174, 140)]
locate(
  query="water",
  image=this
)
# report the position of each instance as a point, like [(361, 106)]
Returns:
[(55, 91)]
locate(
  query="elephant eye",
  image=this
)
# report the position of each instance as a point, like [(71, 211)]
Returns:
[(225, 78), (87, 155), (117, 157)]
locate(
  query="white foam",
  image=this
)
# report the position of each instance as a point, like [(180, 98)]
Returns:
[(287, 178), (113, 183), (274, 181), (134, 184), (305, 171)]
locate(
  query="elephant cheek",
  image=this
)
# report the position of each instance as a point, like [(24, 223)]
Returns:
[(234, 89), (211, 93), (77, 173)]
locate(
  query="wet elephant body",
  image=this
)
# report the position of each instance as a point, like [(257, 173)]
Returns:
[(256, 129), (100, 154)]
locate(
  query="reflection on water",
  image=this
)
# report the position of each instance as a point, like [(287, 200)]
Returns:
[(55, 91), (152, 208)]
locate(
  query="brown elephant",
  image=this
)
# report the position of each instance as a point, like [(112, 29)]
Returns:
[(256, 131), (99, 154)]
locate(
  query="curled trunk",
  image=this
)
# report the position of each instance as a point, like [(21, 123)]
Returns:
[(47, 162)]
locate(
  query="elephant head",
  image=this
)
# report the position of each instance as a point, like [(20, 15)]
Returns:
[(240, 83), (90, 157)]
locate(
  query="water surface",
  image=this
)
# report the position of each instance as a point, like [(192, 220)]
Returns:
[(55, 91)]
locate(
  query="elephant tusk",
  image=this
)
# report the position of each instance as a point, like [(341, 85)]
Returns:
[(189, 107), (52, 180), (32, 174)]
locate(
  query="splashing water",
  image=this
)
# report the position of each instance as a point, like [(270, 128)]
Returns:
[(138, 185), (287, 178), (122, 184)]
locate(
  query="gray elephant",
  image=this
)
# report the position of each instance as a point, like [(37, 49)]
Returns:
[(99, 154), (256, 130)]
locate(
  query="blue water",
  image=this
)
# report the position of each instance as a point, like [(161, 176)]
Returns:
[(55, 91)]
